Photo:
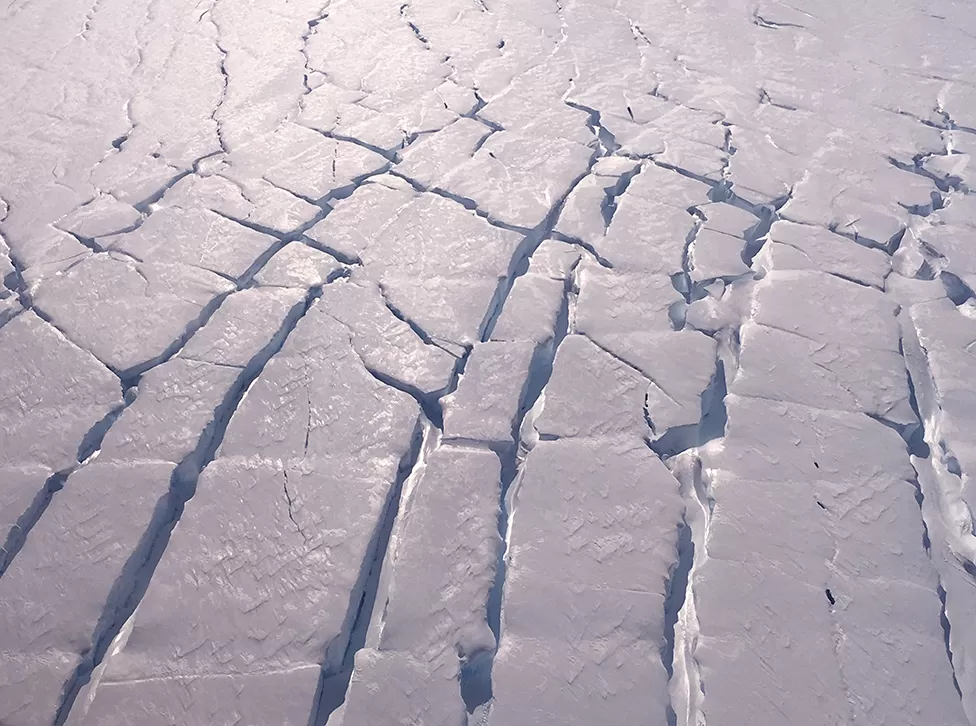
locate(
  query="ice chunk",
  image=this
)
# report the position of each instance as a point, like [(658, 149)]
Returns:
[(593, 540), (487, 400)]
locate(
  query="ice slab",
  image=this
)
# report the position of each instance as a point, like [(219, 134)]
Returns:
[(594, 537), (489, 394), (800, 247), (300, 266)]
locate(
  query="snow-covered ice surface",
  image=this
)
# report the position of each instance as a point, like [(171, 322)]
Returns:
[(487, 363)]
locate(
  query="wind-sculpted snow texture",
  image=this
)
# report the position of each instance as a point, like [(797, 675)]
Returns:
[(487, 363)]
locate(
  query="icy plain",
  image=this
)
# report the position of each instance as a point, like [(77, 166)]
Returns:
[(487, 363)]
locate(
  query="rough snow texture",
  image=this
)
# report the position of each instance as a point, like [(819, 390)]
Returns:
[(483, 362)]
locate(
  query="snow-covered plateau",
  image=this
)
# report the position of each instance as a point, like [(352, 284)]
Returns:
[(487, 363)]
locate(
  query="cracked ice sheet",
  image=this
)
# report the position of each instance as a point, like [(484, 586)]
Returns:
[(802, 247), (488, 396), (491, 48), (95, 524), (21, 495), (355, 221), (176, 266), (429, 160), (960, 598), (298, 266), (303, 162), (386, 344), (953, 244), (440, 569), (825, 199), (309, 461), (127, 100), (373, 120), (518, 177), (613, 313), (253, 201), (53, 594), (720, 247), (651, 222), (536, 300), (590, 506), (392, 69), (129, 313), (178, 399), (196, 237), (845, 484)]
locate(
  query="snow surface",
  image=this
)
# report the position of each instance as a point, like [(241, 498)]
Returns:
[(487, 363)]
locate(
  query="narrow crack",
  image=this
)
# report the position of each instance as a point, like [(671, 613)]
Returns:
[(681, 626), (946, 184), (225, 77), (390, 155), (631, 367), (145, 206), (947, 637), (608, 208), (311, 26), (17, 536), (765, 99), (475, 112), (347, 190), (762, 22), (682, 630), (89, 17), (291, 503), (429, 402), (586, 247), (710, 426), (341, 257), (413, 27), (92, 245), (606, 141), (425, 337)]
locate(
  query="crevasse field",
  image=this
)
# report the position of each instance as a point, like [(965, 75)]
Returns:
[(487, 363)]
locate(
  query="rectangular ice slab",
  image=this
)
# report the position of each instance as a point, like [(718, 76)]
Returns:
[(487, 400), (279, 697), (593, 541)]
